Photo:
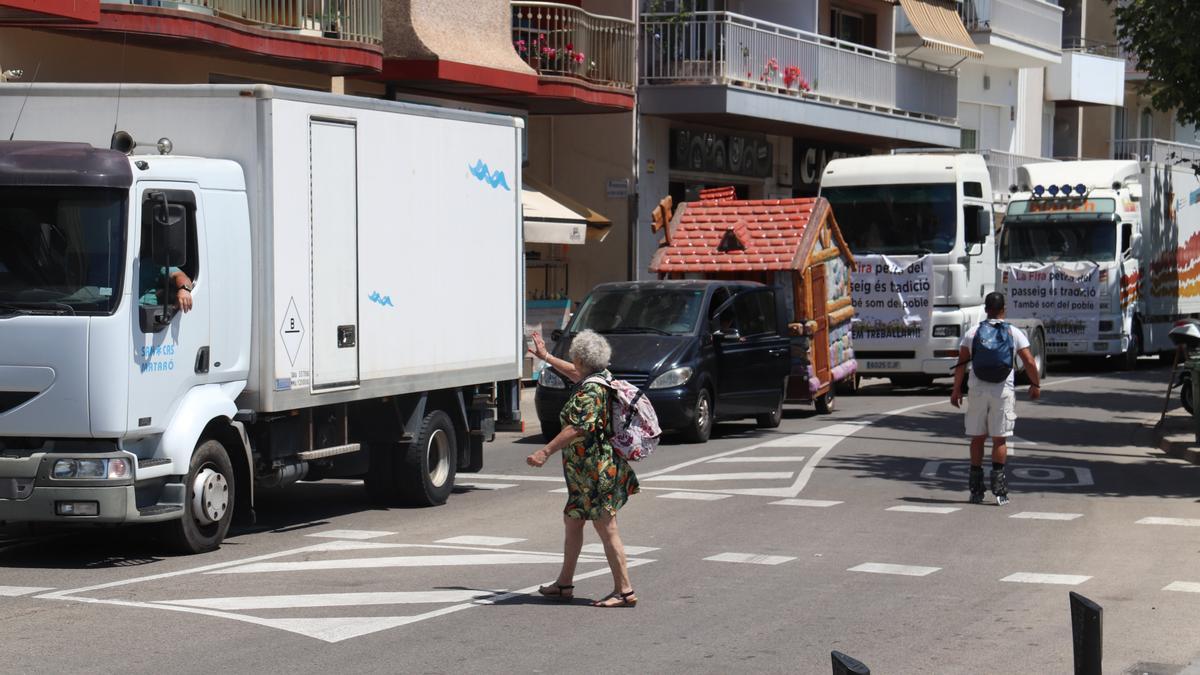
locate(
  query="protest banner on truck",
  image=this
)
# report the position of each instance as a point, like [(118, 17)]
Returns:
[(892, 300), (1065, 297)]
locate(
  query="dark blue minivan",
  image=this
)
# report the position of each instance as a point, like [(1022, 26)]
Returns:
[(702, 351)]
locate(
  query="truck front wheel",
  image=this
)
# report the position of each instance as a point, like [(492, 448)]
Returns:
[(208, 506), (425, 472)]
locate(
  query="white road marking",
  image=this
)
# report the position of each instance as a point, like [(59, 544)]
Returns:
[(559, 491), (598, 549), (350, 534), (518, 477), (751, 558), (395, 561), (697, 496), (747, 475), (924, 509), (332, 600), (478, 540), (1184, 522), (15, 591), (1046, 515), (484, 486), (1183, 586), (1037, 578), (1022, 441), (888, 568), (817, 503), (739, 460)]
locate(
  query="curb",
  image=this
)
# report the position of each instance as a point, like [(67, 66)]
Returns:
[(1175, 442)]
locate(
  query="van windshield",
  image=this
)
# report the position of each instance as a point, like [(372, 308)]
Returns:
[(61, 250), (640, 310), (896, 219), (1051, 241)]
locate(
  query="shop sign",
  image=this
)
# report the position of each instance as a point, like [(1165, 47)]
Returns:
[(722, 153), (809, 162)]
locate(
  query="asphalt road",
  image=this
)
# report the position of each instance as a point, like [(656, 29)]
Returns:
[(760, 551)]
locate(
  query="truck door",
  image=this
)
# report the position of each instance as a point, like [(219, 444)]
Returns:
[(333, 191), (171, 348)]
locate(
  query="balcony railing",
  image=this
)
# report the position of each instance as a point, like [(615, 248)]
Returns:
[(1155, 150), (1032, 21), (1002, 166), (1088, 46), (566, 41), (727, 48), (351, 20)]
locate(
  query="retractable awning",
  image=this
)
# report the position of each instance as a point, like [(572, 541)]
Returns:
[(940, 27), (554, 218)]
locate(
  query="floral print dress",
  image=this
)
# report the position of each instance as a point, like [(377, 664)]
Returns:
[(599, 480)]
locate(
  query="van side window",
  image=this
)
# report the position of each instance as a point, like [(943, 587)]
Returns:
[(972, 189), (756, 313), (153, 279), (726, 319)]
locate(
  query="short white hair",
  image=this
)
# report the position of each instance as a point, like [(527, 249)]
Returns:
[(591, 350)]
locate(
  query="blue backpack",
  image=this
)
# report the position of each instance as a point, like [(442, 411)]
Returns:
[(992, 352)]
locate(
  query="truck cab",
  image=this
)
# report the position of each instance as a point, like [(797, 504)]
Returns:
[(1078, 224), (909, 207)]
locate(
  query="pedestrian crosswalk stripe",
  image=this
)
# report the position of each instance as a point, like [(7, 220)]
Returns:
[(396, 561), (517, 477), (1037, 578), (1185, 522), (598, 549), (908, 508), (889, 568), (696, 496), (14, 591), (748, 475), (751, 558), (483, 486), (762, 460), (559, 491), (816, 503), (1183, 586), (1046, 515), (332, 600), (350, 534), (477, 540)]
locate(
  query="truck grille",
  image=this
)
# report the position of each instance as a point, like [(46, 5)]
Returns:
[(883, 354)]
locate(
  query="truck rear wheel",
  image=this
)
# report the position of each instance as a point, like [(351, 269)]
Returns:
[(426, 468), (1129, 360), (1037, 347), (208, 506)]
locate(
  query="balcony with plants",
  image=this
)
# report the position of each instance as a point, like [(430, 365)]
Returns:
[(568, 45)]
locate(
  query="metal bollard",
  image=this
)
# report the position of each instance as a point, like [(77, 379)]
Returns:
[(1087, 633), (845, 665)]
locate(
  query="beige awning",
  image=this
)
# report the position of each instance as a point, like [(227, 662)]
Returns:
[(554, 218), (940, 27)]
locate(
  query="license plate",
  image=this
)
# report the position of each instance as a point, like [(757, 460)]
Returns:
[(1078, 347), (882, 365)]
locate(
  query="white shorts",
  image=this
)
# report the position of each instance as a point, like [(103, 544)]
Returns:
[(991, 413)]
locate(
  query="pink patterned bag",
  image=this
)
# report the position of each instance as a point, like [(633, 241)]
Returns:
[(635, 424)]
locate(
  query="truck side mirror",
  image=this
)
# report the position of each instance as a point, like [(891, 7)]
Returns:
[(977, 224), (168, 243), (1135, 246)]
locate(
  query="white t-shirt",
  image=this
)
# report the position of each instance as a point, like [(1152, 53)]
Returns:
[(1020, 341)]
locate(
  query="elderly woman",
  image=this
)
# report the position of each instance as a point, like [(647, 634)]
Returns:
[(598, 480)]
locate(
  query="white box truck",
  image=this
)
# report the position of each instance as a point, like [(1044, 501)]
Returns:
[(1105, 252), (921, 227), (357, 291)]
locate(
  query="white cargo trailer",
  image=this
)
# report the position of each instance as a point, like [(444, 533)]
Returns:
[(357, 292)]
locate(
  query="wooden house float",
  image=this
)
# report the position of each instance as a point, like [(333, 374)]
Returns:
[(792, 244)]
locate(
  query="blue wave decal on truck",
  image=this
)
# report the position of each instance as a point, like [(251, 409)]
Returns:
[(381, 300), (495, 179)]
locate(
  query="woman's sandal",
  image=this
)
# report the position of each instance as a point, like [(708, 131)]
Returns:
[(623, 600), (557, 591)]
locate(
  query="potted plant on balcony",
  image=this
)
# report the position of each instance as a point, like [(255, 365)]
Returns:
[(793, 77)]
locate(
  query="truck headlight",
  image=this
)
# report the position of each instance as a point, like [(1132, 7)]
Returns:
[(91, 469), (551, 380), (946, 331), (672, 378)]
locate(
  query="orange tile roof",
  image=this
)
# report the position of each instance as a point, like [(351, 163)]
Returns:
[(770, 229)]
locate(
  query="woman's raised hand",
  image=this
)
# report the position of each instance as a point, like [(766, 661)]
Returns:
[(539, 346)]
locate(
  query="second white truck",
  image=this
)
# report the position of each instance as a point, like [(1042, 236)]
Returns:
[(356, 291)]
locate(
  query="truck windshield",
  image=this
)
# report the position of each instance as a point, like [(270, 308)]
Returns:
[(61, 249), (896, 219), (640, 310), (1054, 241)]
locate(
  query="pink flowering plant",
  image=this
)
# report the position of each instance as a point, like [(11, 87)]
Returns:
[(770, 71), (542, 56), (793, 76)]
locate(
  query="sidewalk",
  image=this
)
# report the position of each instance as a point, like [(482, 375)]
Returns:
[(1176, 435)]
